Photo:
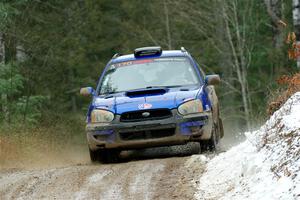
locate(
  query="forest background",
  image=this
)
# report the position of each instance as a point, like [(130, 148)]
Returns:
[(49, 49)]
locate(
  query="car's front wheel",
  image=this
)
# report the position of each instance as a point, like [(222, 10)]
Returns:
[(104, 155), (94, 155), (211, 143), (221, 128)]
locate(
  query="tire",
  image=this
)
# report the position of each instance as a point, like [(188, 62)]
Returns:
[(110, 156), (221, 128), (104, 155), (196, 148), (94, 155), (210, 144)]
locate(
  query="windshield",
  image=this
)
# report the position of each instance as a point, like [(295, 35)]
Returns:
[(159, 72)]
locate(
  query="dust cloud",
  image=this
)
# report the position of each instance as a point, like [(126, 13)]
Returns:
[(40, 151)]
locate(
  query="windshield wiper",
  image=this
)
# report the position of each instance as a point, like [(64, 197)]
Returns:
[(154, 87), (173, 86), (164, 87), (147, 87)]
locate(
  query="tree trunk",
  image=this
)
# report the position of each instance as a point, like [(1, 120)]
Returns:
[(2, 48), (167, 25), (3, 100), (238, 48), (225, 62), (296, 20), (20, 53), (274, 9), (73, 95)]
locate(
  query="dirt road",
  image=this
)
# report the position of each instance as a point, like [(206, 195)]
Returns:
[(139, 176)]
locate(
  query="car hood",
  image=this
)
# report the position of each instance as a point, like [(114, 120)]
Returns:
[(121, 103)]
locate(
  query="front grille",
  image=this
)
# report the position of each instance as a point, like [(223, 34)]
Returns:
[(144, 115), (149, 134)]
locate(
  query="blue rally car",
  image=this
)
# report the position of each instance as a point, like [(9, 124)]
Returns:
[(152, 98)]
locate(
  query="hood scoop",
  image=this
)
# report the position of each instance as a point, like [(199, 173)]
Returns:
[(142, 92)]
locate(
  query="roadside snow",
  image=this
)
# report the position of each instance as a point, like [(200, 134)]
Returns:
[(265, 166)]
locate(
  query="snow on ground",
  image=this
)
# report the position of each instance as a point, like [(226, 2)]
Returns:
[(265, 166)]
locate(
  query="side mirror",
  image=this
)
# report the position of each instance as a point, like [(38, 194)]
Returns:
[(212, 79), (87, 91)]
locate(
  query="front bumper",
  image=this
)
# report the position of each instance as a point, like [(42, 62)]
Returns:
[(164, 132)]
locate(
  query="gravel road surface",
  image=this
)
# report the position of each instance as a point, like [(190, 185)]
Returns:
[(161, 173)]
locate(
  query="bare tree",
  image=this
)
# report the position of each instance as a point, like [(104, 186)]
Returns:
[(229, 24), (274, 9), (206, 19), (240, 53), (2, 48), (169, 39), (3, 99)]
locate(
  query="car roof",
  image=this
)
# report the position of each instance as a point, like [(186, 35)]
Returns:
[(166, 53)]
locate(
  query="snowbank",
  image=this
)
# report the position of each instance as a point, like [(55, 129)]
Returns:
[(265, 166)]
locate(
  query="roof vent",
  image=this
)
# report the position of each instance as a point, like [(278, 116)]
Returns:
[(147, 52)]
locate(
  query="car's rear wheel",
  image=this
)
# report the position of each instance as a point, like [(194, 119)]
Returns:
[(104, 155)]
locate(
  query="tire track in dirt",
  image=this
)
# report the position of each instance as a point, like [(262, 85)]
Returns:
[(166, 178)]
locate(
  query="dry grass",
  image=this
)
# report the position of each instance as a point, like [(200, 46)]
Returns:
[(290, 85)]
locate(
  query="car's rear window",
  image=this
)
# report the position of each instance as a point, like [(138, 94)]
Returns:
[(158, 72)]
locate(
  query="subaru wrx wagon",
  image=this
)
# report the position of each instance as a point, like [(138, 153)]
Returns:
[(151, 98)]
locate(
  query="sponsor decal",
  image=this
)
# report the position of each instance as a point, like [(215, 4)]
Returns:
[(145, 106), (171, 59), (136, 62)]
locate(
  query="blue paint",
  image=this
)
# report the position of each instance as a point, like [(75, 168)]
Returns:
[(111, 138), (185, 127), (104, 132), (184, 130)]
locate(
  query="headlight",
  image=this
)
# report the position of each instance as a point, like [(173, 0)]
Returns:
[(101, 116), (190, 107)]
